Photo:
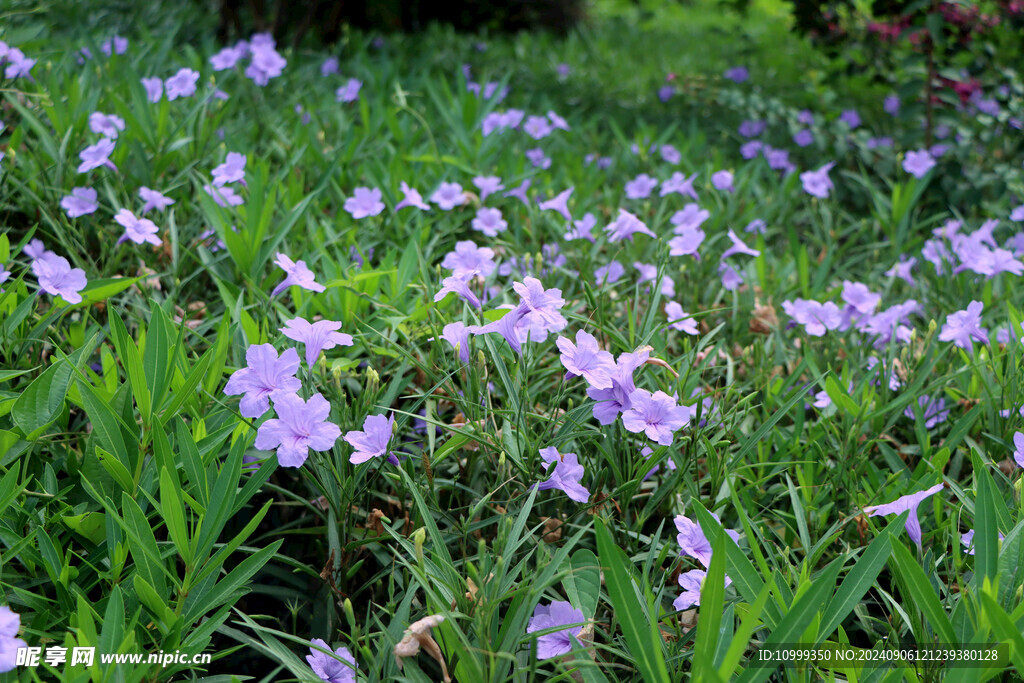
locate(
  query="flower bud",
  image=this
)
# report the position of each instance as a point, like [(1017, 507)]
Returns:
[(419, 537)]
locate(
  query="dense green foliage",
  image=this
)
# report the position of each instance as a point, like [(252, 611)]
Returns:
[(137, 514)]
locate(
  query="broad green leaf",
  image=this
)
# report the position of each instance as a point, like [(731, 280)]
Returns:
[(43, 400), (583, 582)]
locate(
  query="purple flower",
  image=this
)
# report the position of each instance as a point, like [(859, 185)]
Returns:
[(138, 230), (891, 105), (738, 247), (691, 582), (670, 155), (488, 185), (757, 226), (858, 296), (666, 92), (687, 242), (373, 441), (223, 196), (489, 221), (563, 69), (934, 411), (965, 325), (778, 159), (585, 358), (816, 317), (609, 274), (902, 504), (690, 217), (412, 197), (680, 184), (97, 155), (537, 157), (469, 258), (328, 668), (266, 62), (610, 402), (81, 202), (35, 249), (154, 89), (10, 622), (1017, 214), (566, 474), (581, 229), (731, 278), (18, 65), (902, 270), (457, 334), (181, 84), (459, 285), (817, 183), (296, 274), (649, 271), (349, 92), (232, 170), (265, 374), (967, 539), (656, 415), (679, 319), (299, 426), (554, 615), (692, 541), (803, 138), (737, 74), (559, 203), (106, 125), (1018, 448), (116, 45), (537, 127), (641, 186), (520, 192), (918, 163), (228, 57), (57, 277), (542, 309), (506, 326), (448, 196), (722, 180), (752, 128), (364, 202), (850, 117), (329, 67), (805, 117), (749, 150), (625, 226), (319, 336), (153, 200)]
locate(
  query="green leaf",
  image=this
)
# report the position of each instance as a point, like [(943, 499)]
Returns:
[(860, 579), (919, 590), (128, 352), (642, 636), (43, 400), (226, 589), (583, 583), (173, 510), (101, 290), (712, 601)]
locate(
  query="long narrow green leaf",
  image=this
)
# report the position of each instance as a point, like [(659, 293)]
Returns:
[(646, 651)]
